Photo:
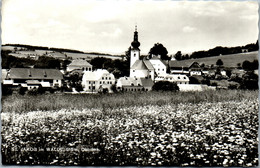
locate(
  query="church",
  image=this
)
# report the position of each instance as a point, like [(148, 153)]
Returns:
[(145, 68)]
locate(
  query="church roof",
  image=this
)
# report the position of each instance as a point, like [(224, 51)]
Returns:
[(142, 65)]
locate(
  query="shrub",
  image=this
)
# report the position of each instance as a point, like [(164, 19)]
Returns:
[(33, 92), (165, 86), (249, 81), (22, 90), (6, 90)]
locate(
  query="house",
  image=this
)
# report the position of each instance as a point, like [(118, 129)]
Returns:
[(99, 80), (79, 64), (177, 78), (159, 66), (195, 69), (183, 67), (33, 77), (134, 84)]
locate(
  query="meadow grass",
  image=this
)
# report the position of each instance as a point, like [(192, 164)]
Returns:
[(46, 102)]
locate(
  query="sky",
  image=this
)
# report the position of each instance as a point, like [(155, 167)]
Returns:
[(108, 26)]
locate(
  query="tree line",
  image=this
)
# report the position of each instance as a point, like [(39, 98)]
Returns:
[(219, 50)]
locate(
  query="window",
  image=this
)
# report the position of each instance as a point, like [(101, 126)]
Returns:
[(133, 70), (94, 88), (162, 69), (107, 82), (103, 82), (106, 78), (109, 78), (158, 69), (180, 82), (184, 77), (89, 82), (100, 82), (94, 82), (134, 54), (179, 77), (89, 87), (111, 82), (102, 78)]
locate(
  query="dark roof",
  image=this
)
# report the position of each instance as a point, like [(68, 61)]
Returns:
[(147, 82), (180, 64), (33, 73), (195, 65), (142, 64)]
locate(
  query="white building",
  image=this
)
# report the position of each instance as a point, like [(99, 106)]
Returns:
[(177, 78), (134, 84), (95, 81), (142, 69), (159, 66), (34, 77)]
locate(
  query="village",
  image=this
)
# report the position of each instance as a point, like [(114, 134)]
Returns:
[(144, 73)]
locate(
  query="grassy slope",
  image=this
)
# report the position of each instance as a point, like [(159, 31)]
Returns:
[(228, 60)]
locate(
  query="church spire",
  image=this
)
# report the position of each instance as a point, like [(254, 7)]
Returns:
[(135, 44)]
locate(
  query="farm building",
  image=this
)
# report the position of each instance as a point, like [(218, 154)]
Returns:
[(33, 78), (99, 80), (178, 78), (181, 67), (134, 84), (79, 64)]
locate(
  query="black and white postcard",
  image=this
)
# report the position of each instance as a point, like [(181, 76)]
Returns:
[(129, 83)]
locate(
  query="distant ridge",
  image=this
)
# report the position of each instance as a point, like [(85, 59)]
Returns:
[(33, 48)]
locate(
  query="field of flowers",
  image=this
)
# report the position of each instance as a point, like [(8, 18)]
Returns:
[(220, 133)]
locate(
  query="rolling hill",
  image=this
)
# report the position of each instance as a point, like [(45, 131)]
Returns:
[(228, 60)]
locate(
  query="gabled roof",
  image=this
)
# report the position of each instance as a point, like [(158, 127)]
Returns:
[(94, 75), (180, 64), (147, 82), (159, 59), (33, 73), (80, 63), (178, 77), (130, 81), (195, 65), (142, 65)]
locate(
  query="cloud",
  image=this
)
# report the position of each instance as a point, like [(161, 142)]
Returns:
[(188, 29), (109, 25)]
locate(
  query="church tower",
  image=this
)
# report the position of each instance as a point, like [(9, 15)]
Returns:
[(135, 51)]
